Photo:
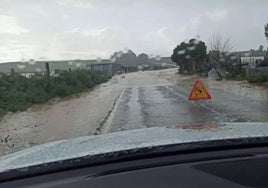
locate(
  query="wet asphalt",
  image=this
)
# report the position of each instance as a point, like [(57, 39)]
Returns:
[(148, 106)]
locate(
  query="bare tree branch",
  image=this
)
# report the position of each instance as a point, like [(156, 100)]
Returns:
[(218, 43)]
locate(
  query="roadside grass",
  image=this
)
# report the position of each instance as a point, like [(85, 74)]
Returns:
[(17, 93), (261, 78), (196, 72), (239, 77)]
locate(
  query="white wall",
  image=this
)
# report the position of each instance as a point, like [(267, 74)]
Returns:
[(250, 60)]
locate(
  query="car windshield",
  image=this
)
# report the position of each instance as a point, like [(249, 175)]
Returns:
[(72, 68)]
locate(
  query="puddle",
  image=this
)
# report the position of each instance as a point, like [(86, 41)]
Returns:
[(209, 126), (240, 88)]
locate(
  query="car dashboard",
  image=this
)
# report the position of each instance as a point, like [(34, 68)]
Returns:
[(244, 167)]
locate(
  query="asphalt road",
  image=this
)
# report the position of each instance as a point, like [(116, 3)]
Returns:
[(141, 107)]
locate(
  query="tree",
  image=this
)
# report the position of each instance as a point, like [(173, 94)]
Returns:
[(143, 59), (190, 56), (127, 59), (198, 52), (266, 35), (218, 43), (266, 31), (261, 48), (220, 47), (179, 56)]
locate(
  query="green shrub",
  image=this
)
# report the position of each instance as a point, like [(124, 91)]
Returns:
[(258, 79), (239, 77), (15, 101), (18, 93), (203, 74)]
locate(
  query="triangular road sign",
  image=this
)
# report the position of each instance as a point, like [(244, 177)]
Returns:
[(199, 92)]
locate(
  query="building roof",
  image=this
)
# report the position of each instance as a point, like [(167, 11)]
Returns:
[(39, 66), (250, 53)]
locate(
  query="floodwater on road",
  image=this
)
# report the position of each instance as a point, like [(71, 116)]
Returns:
[(241, 88), (131, 101), (169, 105)]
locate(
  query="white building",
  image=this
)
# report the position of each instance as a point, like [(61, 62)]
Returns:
[(251, 61)]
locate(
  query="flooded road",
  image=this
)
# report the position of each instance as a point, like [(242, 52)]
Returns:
[(168, 105), (131, 101)]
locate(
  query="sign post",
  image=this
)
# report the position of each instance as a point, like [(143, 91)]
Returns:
[(199, 92)]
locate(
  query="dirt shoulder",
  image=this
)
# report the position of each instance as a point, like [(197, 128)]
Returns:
[(57, 119)]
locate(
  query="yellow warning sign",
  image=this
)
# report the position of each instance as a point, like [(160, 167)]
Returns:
[(199, 92)]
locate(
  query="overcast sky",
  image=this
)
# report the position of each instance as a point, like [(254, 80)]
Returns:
[(83, 29)]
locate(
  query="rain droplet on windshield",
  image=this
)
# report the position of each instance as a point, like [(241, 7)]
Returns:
[(21, 66), (180, 52), (38, 70), (113, 60), (228, 53), (196, 42), (158, 58), (188, 57), (151, 56), (23, 60), (191, 48), (233, 57), (78, 64), (119, 54), (247, 54), (126, 50), (99, 60), (31, 62), (222, 59)]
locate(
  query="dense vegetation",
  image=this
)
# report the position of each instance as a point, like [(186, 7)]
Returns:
[(17, 92), (190, 56), (258, 79)]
